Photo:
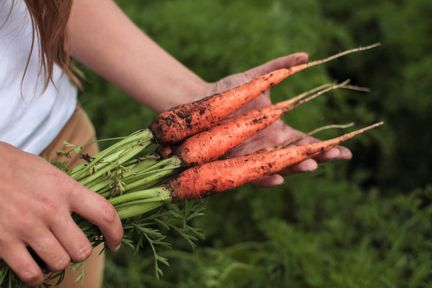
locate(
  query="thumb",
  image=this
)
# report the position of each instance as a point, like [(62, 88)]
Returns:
[(278, 63)]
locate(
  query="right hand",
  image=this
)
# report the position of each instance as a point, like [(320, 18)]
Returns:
[(278, 132), (36, 202)]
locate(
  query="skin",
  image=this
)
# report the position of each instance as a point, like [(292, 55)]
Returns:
[(44, 223), (105, 40)]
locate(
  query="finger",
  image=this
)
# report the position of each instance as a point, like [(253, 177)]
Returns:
[(100, 212), (345, 153), (308, 165), (332, 154), (72, 239), (281, 62), (47, 247), (336, 153), (20, 261), (270, 181)]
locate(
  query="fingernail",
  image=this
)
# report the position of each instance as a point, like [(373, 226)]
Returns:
[(302, 57), (117, 247)]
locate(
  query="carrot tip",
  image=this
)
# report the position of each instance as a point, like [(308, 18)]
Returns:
[(357, 88), (300, 101), (343, 53), (359, 131), (374, 125), (372, 45)]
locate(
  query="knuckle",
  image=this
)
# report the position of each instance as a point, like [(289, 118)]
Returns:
[(51, 209), (60, 219), (83, 253), (3, 243), (60, 263), (27, 225), (117, 237), (42, 244), (31, 275), (64, 183), (59, 177), (109, 213)]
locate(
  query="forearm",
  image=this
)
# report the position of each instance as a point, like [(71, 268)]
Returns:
[(106, 41)]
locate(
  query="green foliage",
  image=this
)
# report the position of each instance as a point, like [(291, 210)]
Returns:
[(365, 223), (400, 78)]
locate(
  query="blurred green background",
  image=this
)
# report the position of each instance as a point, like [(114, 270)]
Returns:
[(362, 223)]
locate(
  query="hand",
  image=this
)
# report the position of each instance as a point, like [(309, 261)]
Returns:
[(279, 132), (36, 201)]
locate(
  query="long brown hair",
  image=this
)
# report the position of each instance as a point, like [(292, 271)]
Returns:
[(49, 21)]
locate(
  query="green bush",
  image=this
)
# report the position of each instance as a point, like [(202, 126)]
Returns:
[(363, 223)]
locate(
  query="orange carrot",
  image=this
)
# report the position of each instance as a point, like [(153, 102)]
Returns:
[(218, 140), (182, 121), (200, 181)]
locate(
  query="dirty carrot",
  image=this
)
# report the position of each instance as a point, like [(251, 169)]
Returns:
[(218, 140), (217, 176), (166, 151), (180, 122)]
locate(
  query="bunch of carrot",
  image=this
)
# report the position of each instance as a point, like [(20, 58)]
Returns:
[(196, 135)]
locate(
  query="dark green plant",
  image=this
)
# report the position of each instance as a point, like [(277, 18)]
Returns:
[(365, 223)]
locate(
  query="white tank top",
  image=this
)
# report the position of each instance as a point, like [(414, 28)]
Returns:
[(30, 117)]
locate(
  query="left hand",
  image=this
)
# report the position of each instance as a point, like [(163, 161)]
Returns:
[(278, 132)]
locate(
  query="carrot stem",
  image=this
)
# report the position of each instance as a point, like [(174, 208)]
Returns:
[(343, 53), (331, 126), (311, 133), (309, 92), (319, 93), (316, 92)]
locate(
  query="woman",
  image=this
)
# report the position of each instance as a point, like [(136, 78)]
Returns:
[(39, 112)]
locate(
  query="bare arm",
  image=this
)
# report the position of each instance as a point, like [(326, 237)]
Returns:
[(106, 41)]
